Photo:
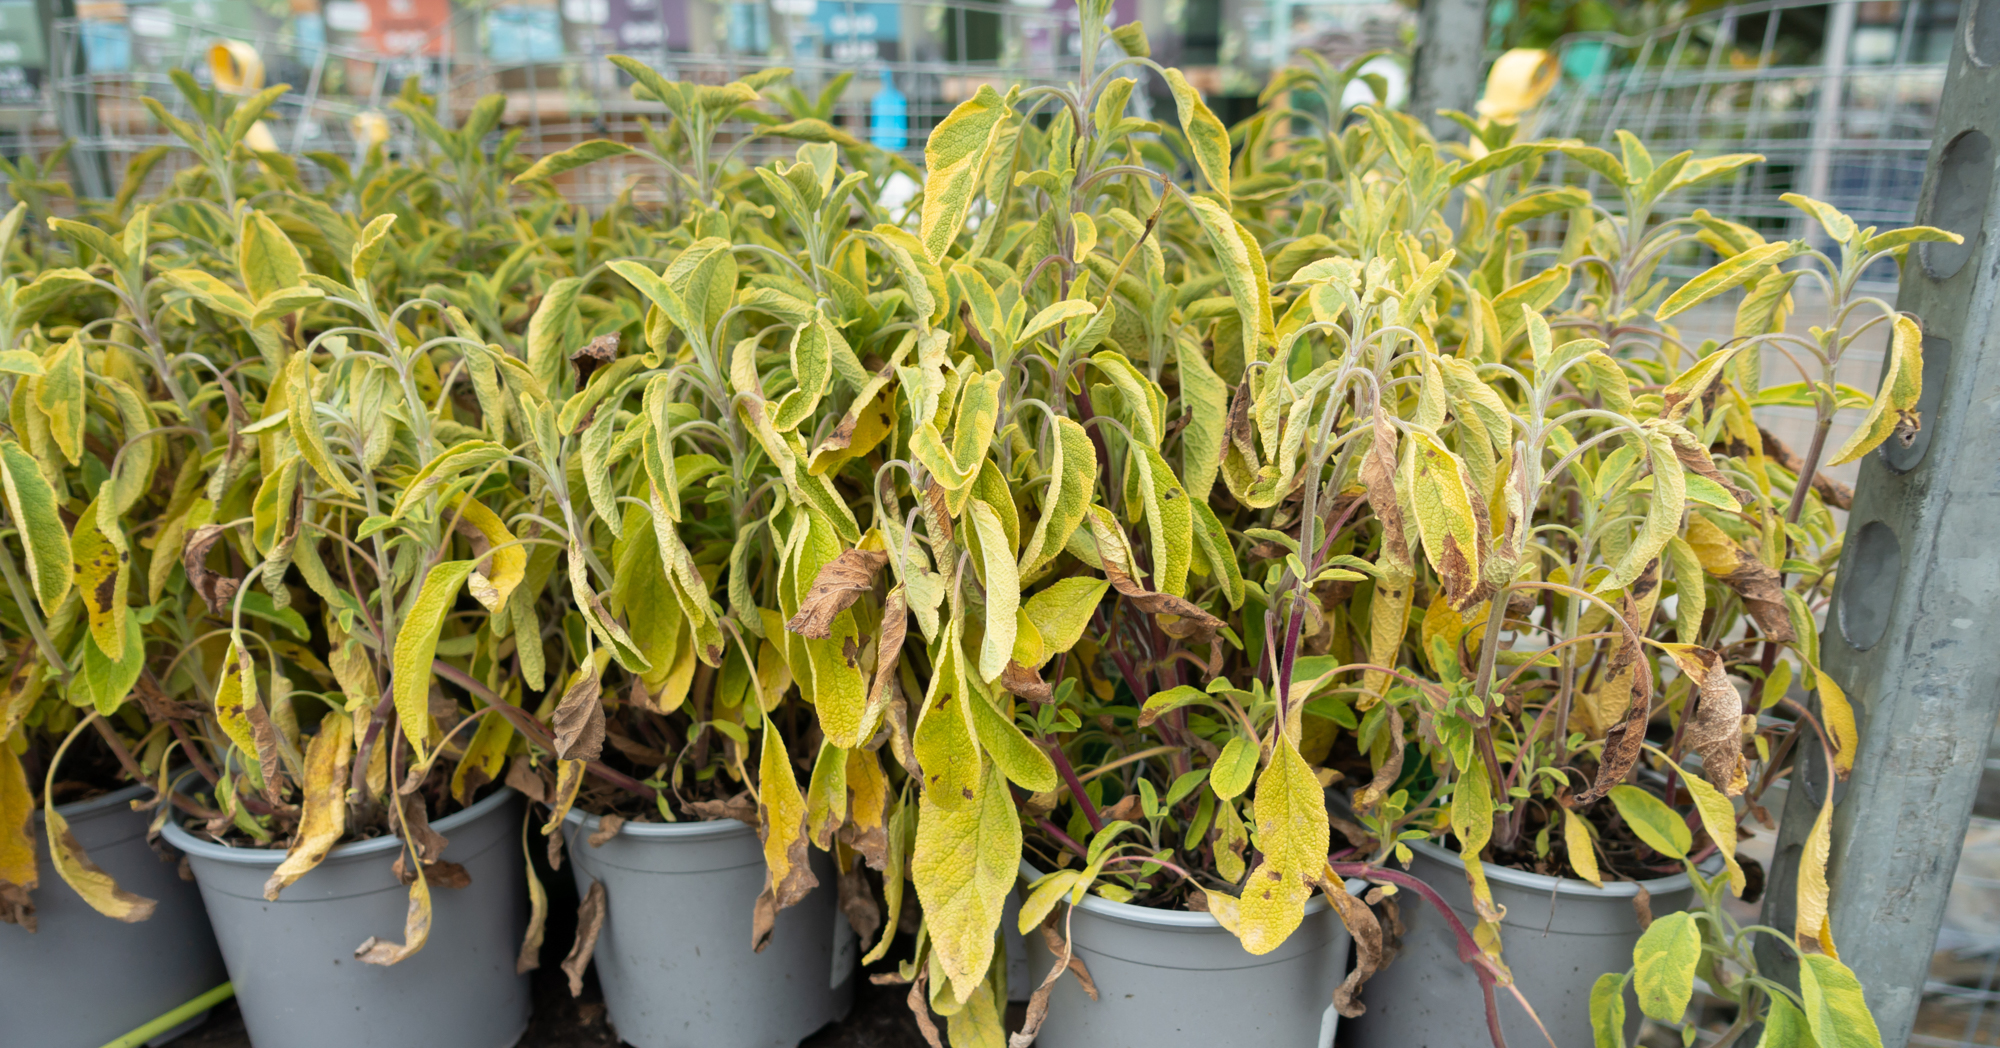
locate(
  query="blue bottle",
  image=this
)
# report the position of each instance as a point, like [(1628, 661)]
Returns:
[(889, 117)]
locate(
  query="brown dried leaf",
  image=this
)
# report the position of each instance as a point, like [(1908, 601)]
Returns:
[(1386, 775), (607, 828), (937, 513), (215, 590), (919, 1003), (521, 776), (840, 582), (1059, 947), (857, 901), (1366, 932), (430, 843), (555, 851), (1642, 907), (1716, 731), (1038, 1001), (1624, 740), (742, 808), (1378, 475), (589, 923), (16, 906), (265, 735), (1762, 597), (1192, 623), (439, 874), (888, 650), (1128, 809), (579, 721), (595, 354), (1026, 682)]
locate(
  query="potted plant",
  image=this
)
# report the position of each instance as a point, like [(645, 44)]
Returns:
[(83, 760)]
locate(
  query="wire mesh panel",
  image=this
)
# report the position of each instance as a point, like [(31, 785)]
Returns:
[(1839, 98)]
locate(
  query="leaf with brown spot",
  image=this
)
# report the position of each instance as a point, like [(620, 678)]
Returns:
[(781, 828), (1190, 622), (840, 582), (589, 924), (1751, 578), (215, 591), (324, 822), (579, 719)]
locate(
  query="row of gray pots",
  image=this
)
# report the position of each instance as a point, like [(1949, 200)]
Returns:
[(675, 966)]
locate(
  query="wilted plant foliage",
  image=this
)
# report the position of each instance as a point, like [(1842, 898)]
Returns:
[(1211, 466)]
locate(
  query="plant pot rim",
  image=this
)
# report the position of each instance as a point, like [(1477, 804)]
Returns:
[(179, 837), (670, 831), (1543, 883), (77, 809), (1154, 917)]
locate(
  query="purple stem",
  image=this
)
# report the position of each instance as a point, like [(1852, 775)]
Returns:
[(1068, 774), (1468, 950)]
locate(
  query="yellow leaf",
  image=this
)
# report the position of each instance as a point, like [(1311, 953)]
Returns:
[(17, 810), (782, 814), (1441, 496), (235, 693), (569, 779), (1813, 926), (95, 886), (416, 646), (485, 755), (965, 865), (1293, 833), (102, 562), (1207, 139), (1577, 843), (953, 155), (1718, 817), (31, 502), (328, 757), (60, 395), (1895, 406), (1838, 714)]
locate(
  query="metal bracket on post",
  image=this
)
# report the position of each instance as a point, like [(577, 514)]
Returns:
[(1450, 59), (1913, 632)]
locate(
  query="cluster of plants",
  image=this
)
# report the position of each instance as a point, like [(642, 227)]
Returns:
[(1101, 509)]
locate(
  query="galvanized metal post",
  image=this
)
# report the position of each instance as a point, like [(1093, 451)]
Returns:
[(1913, 633), (1450, 59)]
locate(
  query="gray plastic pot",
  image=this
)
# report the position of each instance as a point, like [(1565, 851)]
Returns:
[(674, 955), (55, 979), (1559, 935), (1175, 977), (297, 981)]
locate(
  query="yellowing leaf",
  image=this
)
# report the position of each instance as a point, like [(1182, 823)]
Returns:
[(1073, 480), (17, 809), (1441, 495), (1003, 589), (328, 758), (1835, 1012), (60, 396), (1663, 965), (1894, 411), (235, 693), (1293, 833), (953, 155), (1718, 817), (965, 865), (1207, 139), (1812, 925), (102, 562), (266, 258), (416, 646), (1577, 844), (508, 565), (1838, 714), (1729, 273), (1654, 822)]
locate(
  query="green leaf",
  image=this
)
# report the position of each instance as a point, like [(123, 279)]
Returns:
[(1542, 202), (453, 461), (210, 292), (1017, 757), (1234, 767), (1837, 225), (1073, 472), (306, 431), (416, 646), (31, 502), (1654, 822), (1897, 238), (1242, 265), (1207, 139), (953, 155), (1062, 611), (1785, 1027), (1663, 966), (368, 246)]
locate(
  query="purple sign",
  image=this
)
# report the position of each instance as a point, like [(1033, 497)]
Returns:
[(628, 25)]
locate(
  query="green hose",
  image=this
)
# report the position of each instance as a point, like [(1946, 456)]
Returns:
[(137, 1038)]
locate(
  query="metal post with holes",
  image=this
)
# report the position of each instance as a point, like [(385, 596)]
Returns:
[(1912, 634), (1449, 63)]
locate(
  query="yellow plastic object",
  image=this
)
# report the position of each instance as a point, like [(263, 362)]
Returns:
[(1520, 79), (237, 67)]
